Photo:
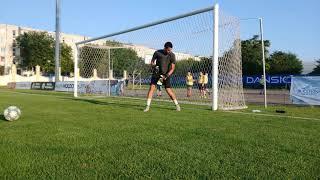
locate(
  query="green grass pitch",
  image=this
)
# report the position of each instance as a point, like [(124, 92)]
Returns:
[(59, 137)]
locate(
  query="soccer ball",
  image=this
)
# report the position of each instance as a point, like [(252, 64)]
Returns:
[(12, 113)]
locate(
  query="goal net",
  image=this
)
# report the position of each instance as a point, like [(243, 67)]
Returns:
[(206, 72)]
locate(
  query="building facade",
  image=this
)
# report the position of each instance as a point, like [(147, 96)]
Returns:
[(10, 53)]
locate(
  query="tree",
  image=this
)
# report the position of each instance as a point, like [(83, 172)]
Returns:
[(97, 57), (66, 61), (284, 63), (91, 58), (113, 43), (252, 56), (37, 48), (185, 66), (125, 59), (316, 70)]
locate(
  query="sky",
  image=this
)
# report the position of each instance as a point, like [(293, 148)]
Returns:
[(290, 25)]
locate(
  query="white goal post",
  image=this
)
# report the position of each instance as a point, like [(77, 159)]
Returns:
[(207, 46)]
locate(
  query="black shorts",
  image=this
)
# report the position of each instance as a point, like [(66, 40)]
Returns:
[(159, 87), (166, 83), (205, 86)]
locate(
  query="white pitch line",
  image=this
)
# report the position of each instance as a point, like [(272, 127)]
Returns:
[(273, 115)]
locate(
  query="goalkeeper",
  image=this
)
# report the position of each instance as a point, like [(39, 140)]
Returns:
[(163, 68)]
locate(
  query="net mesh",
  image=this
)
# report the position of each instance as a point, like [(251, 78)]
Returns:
[(121, 62), (230, 90)]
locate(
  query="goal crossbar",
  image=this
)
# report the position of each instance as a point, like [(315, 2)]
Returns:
[(105, 47), (149, 24)]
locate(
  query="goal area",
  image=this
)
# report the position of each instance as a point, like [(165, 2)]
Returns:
[(207, 47)]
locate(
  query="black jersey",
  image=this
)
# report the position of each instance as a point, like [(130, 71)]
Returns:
[(164, 60)]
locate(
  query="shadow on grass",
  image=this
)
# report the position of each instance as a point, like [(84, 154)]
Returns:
[(2, 118), (120, 104)]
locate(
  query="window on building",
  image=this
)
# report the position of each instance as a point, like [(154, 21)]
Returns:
[(13, 51), (2, 62), (14, 33)]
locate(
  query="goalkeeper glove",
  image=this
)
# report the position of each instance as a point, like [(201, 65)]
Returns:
[(165, 76), (156, 69)]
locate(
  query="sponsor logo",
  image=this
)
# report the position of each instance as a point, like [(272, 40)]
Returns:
[(305, 90), (64, 86), (43, 85), (270, 79), (36, 85), (47, 86), (309, 91), (68, 86), (91, 87)]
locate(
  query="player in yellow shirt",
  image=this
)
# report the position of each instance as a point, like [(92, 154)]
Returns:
[(200, 84), (189, 81), (205, 84)]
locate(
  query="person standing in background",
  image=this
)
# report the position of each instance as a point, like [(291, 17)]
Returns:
[(205, 84), (200, 84), (189, 82)]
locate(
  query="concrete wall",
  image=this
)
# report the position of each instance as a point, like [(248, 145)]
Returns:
[(14, 77)]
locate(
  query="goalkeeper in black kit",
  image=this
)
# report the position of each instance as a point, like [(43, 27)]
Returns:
[(163, 63)]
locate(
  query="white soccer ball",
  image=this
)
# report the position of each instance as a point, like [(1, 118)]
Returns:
[(12, 113)]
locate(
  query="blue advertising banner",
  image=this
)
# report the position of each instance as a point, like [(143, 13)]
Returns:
[(305, 90), (274, 80), (93, 87), (248, 81)]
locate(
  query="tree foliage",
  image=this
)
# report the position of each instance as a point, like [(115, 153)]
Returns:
[(316, 70), (66, 61), (277, 63), (284, 63), (193, 66), (93, 58), (37, 48), (113, 43), (185, 66), (126, 59), (252, 56)]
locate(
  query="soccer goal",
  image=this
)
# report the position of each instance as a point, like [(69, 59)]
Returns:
[(207, 47)]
